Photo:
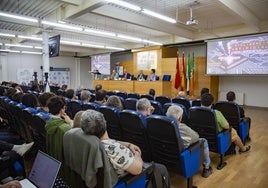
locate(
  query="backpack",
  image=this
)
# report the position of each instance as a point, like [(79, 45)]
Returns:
[(158, 177)]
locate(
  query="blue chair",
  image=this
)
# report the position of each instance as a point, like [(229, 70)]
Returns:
[(73, 107), (167, 147), (157, 107), (182, 100), (130, 103), (133, 125), (185, 112), (204, 122), (148, 96), (91, 105), (196, 102), (230, 111), (121, 94), (133, 95), (163, 99), (112, 116)]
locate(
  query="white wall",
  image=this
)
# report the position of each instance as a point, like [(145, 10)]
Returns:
[(255, 88), (15, 61)]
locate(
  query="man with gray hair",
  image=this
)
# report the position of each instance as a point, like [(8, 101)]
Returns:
[(144, 106), (189, 137), (85, 96), (124, 156)]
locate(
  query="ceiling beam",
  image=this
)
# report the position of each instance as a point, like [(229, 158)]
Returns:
[(73, 2), (236, 7), (71, 12)]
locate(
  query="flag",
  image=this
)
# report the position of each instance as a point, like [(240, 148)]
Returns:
[(188, 72), (177, 75), (192, 75), (183, 75)]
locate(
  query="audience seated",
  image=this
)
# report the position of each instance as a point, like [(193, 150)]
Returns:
[(207, 101), (230, 96), (115, 101), (12, 184), (70, 94), (152, 92), (128, 156), (85, 96), (189, 137), (76, 120), (43, 98), (30, 100), (144, 106), (100, 97), (98, 87)]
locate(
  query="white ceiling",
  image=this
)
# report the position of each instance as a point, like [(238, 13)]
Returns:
[(217, 18)]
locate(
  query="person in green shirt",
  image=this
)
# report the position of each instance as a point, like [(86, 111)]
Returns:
[(207, 101)]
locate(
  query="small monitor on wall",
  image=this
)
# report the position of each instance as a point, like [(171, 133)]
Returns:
[(54, 46)]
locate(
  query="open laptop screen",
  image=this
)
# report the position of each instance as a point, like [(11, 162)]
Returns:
[(44, 170)]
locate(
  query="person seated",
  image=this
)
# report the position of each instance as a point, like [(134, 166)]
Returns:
[(98, 87), (230, 96), (19, 149), (76, 120), (124, 156), (126, 75), (189, 137), (141, 76), (152, 92), (30, 100), (70, 94), (153, 76), (203, 91), (100, 97), (59, 123), (85, 96), (43, 98), (144, 106), (207, 101), (12, 184), (182, 94), (115, 101)]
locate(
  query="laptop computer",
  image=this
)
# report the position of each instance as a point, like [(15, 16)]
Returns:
[(44, 172)]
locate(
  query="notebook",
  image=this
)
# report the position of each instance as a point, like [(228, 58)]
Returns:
[(44, 172)]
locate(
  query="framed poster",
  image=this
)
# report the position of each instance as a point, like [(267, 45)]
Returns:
[(147, 60)]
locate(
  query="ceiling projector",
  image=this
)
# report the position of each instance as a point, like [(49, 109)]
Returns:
[(192, 22)]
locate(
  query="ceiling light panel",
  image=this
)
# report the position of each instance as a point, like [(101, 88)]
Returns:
[(125, 4), (64, 26), (18, 17)]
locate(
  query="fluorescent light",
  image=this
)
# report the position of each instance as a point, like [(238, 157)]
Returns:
[(76, 28), (38, 47), (114, 48), (100, 32), (19, 45), (62, 22), (31, 38), (13, 51), (7, 35), (19, 17), (28, 52), (93, 45), (152, 42), (125, 4), (70, 42), (160, 16), (129, 37)]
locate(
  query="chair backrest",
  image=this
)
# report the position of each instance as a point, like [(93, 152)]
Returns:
[(91, 105), (39, 132), (184, 115), (230, 111), (166, 77), (168, 149), (121, 94), (157, 107), (204, 122), (163, 99), (182, 100), (133, 95), (165, 141), (72, 108), (110, 93), (133, 125), (196, 102), (112, 116), (148, 96), (130, 103)]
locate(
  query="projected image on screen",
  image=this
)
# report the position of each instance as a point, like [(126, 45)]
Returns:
[(101, 63), (240, 55)]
